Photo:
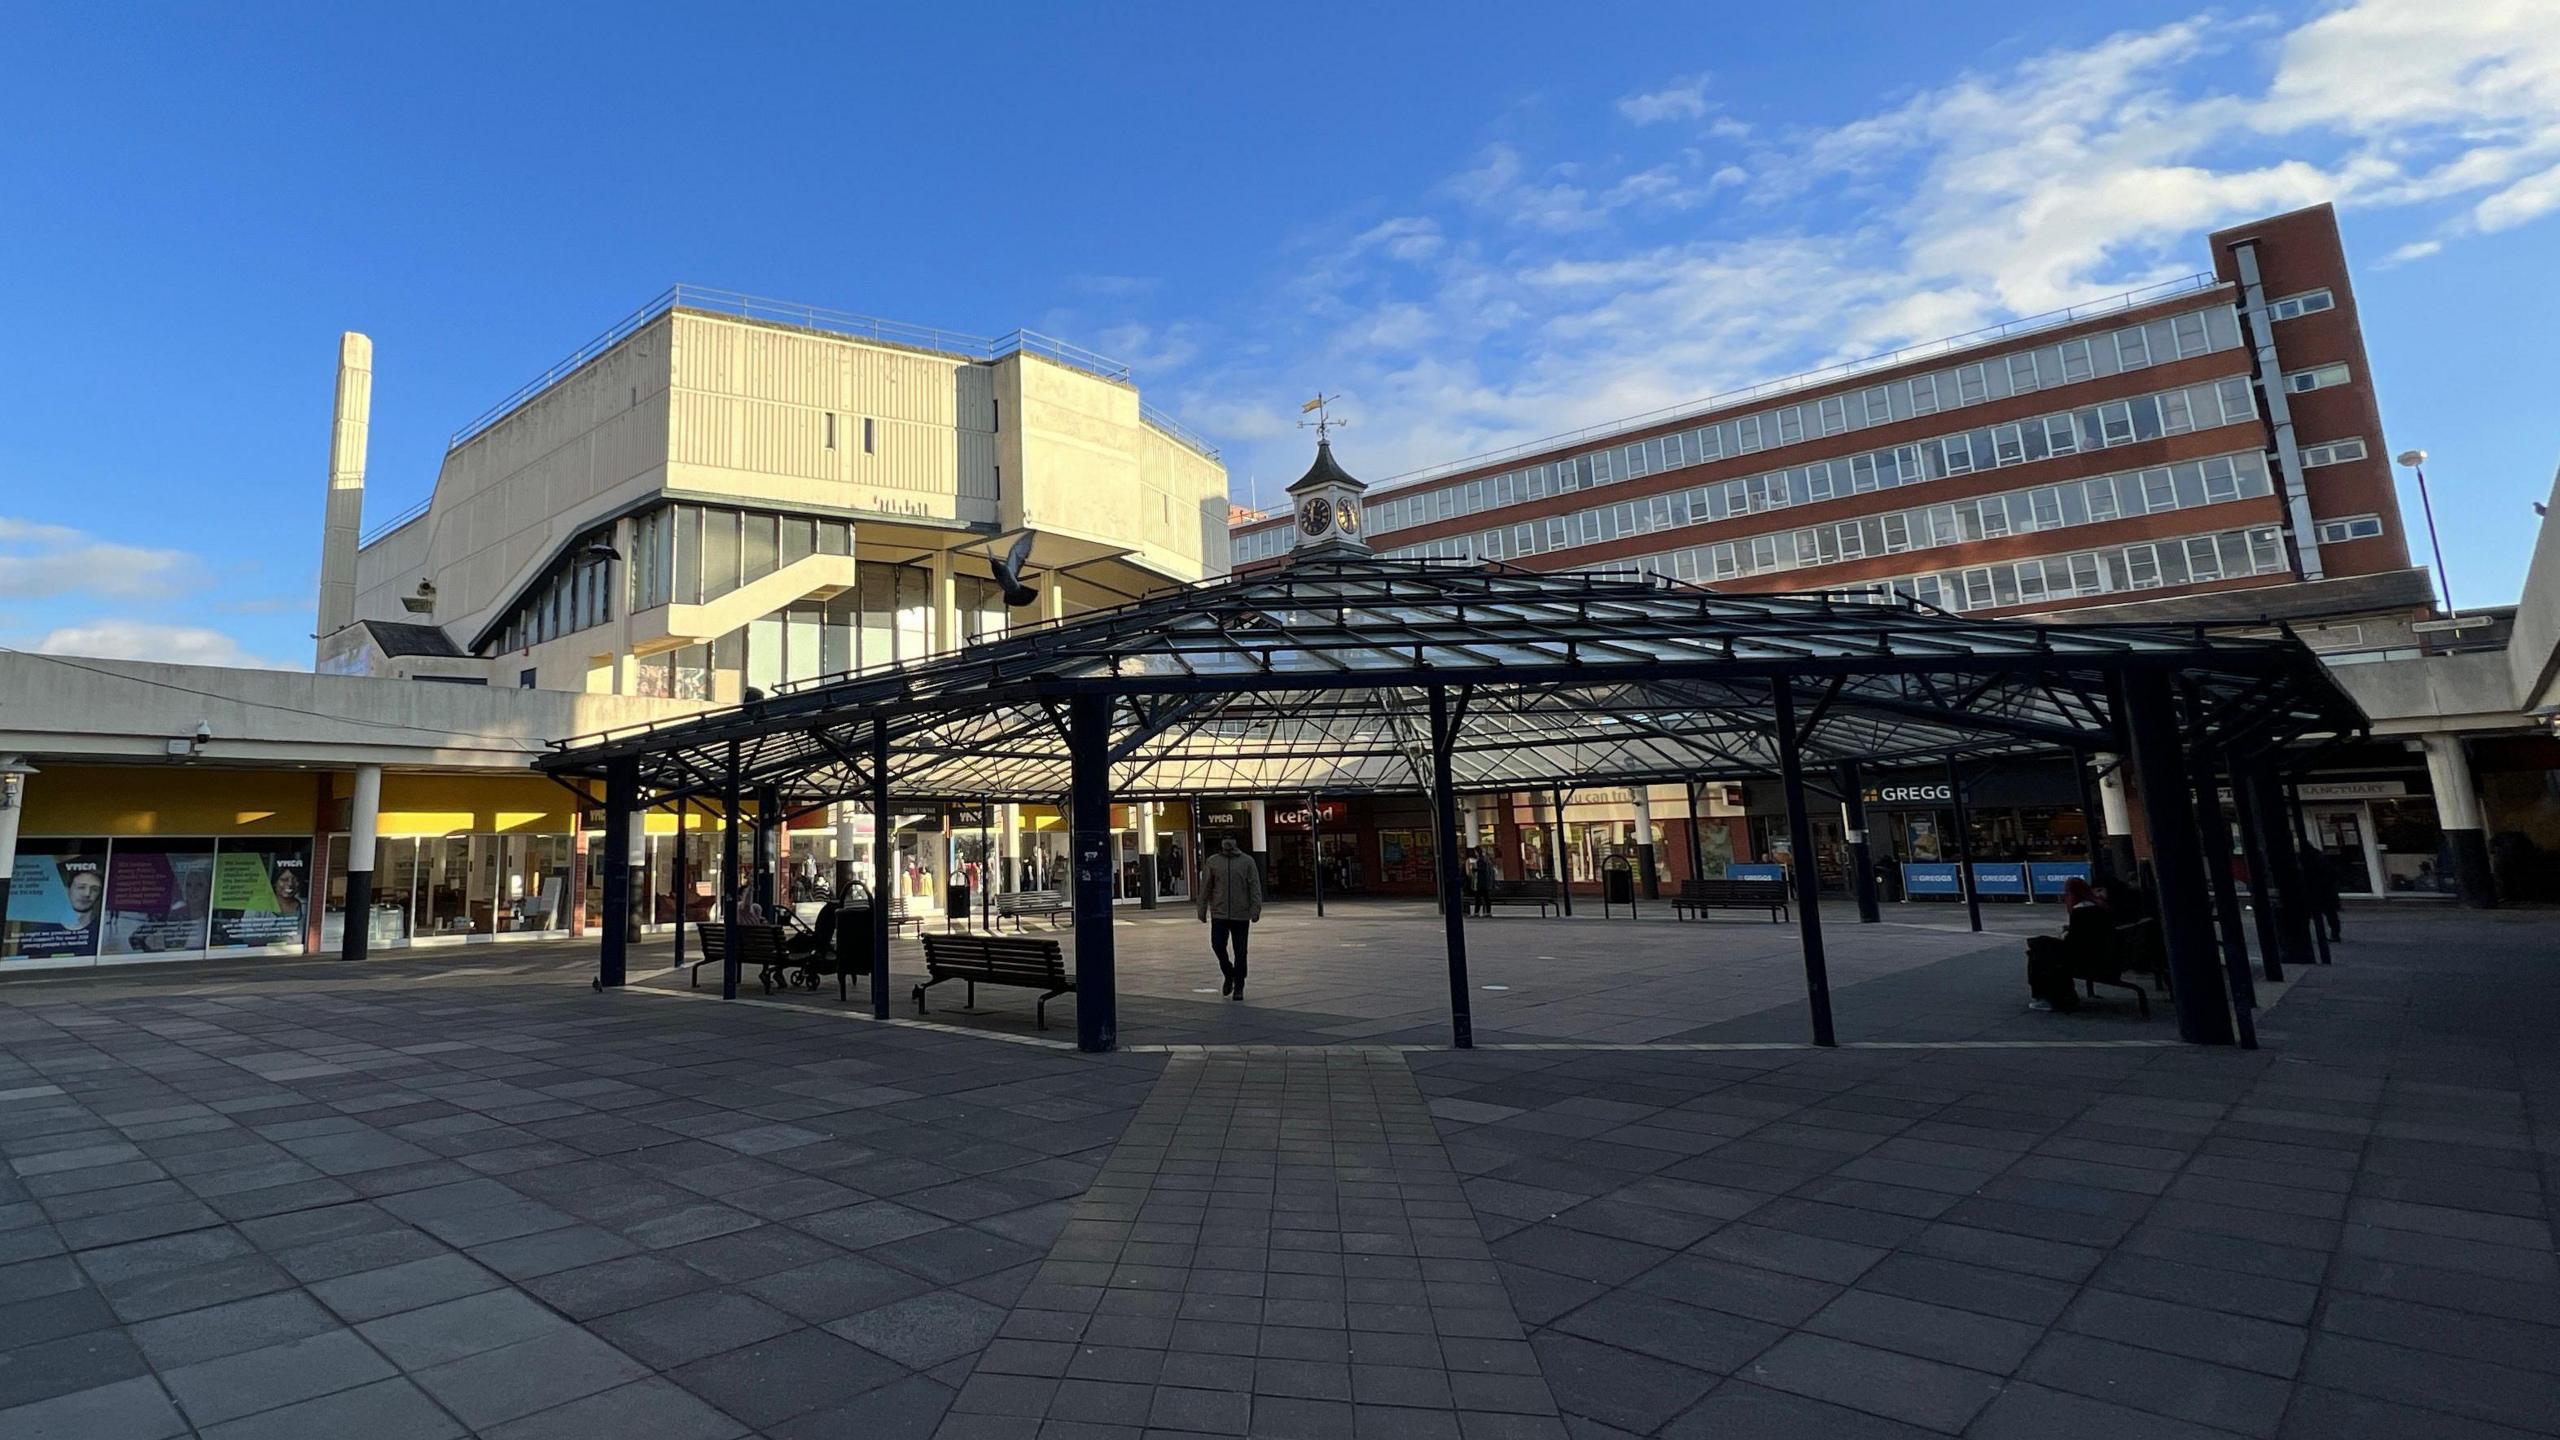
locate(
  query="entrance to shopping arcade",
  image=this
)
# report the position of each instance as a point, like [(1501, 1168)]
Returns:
[(1351, 675)]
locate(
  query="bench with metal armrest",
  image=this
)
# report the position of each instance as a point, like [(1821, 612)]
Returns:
[(1027, 961)]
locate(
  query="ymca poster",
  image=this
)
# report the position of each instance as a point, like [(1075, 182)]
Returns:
[(258, 893), (57, 890)]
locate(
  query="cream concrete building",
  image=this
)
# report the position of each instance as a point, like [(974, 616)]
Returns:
[(722, 492)]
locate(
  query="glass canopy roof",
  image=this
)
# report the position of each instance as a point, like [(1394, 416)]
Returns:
[(1315, 677)]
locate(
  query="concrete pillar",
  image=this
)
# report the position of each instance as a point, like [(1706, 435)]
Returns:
[(1147, 854), (13, 791), (1257, 816), (2458, 813), (846, 838), (946, 604), (1053, 596), (1009, 845), (1648, 869), (350, 422), (2118, 813), (364, 821)]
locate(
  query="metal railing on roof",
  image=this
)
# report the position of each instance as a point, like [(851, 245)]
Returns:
[(2006, 329), (957, 344), (395, 522)]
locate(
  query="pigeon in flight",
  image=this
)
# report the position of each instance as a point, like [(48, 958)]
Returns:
[(1009, 574)]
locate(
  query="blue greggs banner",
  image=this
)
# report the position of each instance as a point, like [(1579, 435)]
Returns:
[(1756, 872), (1997, 881), (1930, 878), (2047, 875)]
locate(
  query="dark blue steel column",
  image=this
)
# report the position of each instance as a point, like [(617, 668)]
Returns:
[(1817, 977), (880, 868), (729, 887), (2216, 832), (613, 961), (1964, 845), (1853, 818), (2253, 850), (1453, 899), (1089, 758), (2186, 916)]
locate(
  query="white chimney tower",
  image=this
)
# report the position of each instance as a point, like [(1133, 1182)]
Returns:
[(350, 422)]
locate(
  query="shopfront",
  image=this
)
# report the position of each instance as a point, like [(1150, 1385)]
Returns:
[(2022, 814), (118, 864)]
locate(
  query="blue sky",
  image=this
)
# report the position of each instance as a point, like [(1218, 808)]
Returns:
[(1482, 226)]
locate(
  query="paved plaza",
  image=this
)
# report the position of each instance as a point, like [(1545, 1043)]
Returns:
[(457, 1192)]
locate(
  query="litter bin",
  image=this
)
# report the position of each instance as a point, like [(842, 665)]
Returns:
[(957, 916), (853, 939)]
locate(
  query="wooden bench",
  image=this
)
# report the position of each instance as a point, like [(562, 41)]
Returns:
[(1727, 893), (1538, 892), (766, 947), (1050, 904), (1032, 962)]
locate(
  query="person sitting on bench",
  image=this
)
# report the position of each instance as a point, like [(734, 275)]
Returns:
[(2086, 949)]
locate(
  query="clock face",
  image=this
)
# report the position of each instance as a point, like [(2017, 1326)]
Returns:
[(1348, 518), (1316, 516)]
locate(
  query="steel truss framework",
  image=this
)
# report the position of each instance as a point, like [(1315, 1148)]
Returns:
[(1358, 674), (1315, 678)]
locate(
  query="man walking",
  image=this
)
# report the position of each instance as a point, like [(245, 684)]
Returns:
[(1230, 900)]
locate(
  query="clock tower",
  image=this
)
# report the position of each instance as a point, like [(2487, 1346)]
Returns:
[(1326, 502)]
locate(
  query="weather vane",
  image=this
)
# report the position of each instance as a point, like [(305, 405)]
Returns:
[(1324, 423)]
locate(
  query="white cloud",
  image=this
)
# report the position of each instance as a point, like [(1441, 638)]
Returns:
[(1548, 296), (1682, 100), (147, 640), (2414, 250), (42, 561)]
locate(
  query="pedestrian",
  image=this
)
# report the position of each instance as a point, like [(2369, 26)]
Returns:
[(2320, 877), (1230, 901), (1481, 894)]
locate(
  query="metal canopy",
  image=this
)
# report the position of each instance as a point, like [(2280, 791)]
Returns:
[(1315, 677)]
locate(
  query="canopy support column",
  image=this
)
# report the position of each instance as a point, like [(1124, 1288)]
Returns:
[(1089, 756), (684, 823), (2295, 926), (1315, 847), (613, 957), (731, 885), (2306, 853), (2186, 919), (1817, 979), (1558, 861), (768, 823), (1964, 845), (2253, 850), (1853, 822), (880, 871), (1697, 842), (2226, 903), (1453, 902)]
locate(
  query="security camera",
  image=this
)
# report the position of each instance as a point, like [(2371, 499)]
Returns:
[(204, 731)]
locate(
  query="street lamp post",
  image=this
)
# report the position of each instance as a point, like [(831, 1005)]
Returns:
[(2416, 461)]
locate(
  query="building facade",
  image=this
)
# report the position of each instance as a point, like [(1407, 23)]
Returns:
[(722, 493), (2215, 433)]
